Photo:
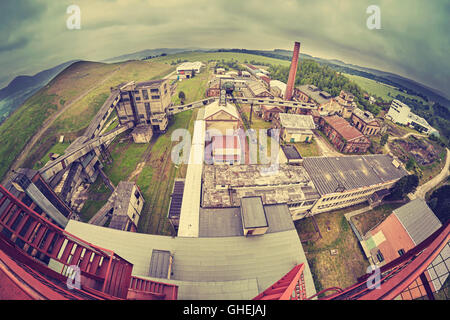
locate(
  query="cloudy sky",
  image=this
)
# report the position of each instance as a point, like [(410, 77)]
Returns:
[(413, 40)]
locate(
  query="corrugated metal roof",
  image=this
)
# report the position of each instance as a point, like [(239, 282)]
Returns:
[(418, 219), (330, 174)]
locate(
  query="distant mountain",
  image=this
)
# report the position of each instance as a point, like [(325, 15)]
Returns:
[(23, 87)]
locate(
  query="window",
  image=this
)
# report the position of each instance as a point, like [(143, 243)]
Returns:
[(401, 252), (154, 90), (380, 256), (155, 97), (147, 105), (145, 94), (138, 98)]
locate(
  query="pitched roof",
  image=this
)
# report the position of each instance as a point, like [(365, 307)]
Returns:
[(418, 219), (314, 93), (343, 128), (350, 172), (225, 142), (215, 107)]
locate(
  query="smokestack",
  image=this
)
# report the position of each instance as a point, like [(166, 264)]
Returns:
[(292, 72)]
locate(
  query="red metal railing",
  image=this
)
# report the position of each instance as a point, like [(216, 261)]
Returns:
[(141, 288), (100, 269), (399, 274), (290, 287)]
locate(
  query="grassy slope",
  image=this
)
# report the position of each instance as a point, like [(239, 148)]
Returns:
[(329, 270), (99, 77), (205, 57)]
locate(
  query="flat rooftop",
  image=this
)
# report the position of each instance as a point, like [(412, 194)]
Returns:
[(225, 185), (291, 152), (297, 121), (207, 268), (330, 174), (227, 222), (253, 213)]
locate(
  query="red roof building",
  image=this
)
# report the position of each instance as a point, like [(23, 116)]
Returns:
[(344, 137), (400, 232)]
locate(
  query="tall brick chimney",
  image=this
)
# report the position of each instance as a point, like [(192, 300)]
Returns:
[(292, 72)]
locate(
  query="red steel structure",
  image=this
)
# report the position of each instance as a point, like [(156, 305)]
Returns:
[(396, 279), (28, 241), (290, 287), (292, 72)]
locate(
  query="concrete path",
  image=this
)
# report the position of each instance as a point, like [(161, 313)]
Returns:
[(348, 215)]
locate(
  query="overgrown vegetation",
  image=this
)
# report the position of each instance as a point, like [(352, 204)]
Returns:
[(325, 78), (440, 203), (403, 186)]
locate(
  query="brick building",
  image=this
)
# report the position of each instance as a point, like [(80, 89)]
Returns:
[(365, 122), (343, 136)]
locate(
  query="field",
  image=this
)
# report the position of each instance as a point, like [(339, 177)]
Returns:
[(369, 219), (98, 195), (58, 148), (227, 56), (157, 177), (342, 268), (308, 149), (382, 90), (194, 88)]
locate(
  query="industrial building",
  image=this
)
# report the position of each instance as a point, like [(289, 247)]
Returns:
[(348, 180), (401, 113), (344, 104), (145, 103), (365, 122), (311, 94), (224, 186), (277, 88), (295, 127), (222, 118), (122, 209), (258, 90), (343, 136), (405, 228), (189, 69), (267, 113), (226, 149)]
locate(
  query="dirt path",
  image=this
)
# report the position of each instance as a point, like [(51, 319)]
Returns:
[(324, 146), (423, 189), (391, 138), (30, 144)]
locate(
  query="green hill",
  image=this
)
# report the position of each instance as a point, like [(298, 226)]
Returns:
[(65, 107)]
